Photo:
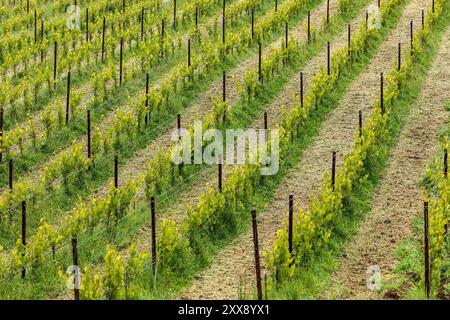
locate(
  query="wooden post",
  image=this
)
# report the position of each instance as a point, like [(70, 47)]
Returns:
[(360, 123), (445, 163), (265, 121), (382, 93), (276, 5), (55, 62), (189, 53), (103, 39), (291, 216), (349, 40), (121, 60), (426, 251), (196, 17), (259, 63), (220, 176), (328, 11), (116, 171), (153, 218), (328, 58), (179, 126), (256, 249), (333, 170), (75, 270), (253, 23), (142, 24), (147, 115), (162, 36), (432, 6), (87, 24), (174, 14), (286, 34), (309, 26), (399, 56), (423, 19), (412, 36), (24, 232), (301, 89), (10, 174), (367, 19), (224, 86), (42, 38), (223, 22), (379, 4), (89, 133), (68, 98), (265, 127)]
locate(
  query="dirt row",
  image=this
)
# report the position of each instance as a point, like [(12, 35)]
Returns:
[(233, 268), (397, 199)]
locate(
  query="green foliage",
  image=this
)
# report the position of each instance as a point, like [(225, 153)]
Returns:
[(119, 278), (438, 197)]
